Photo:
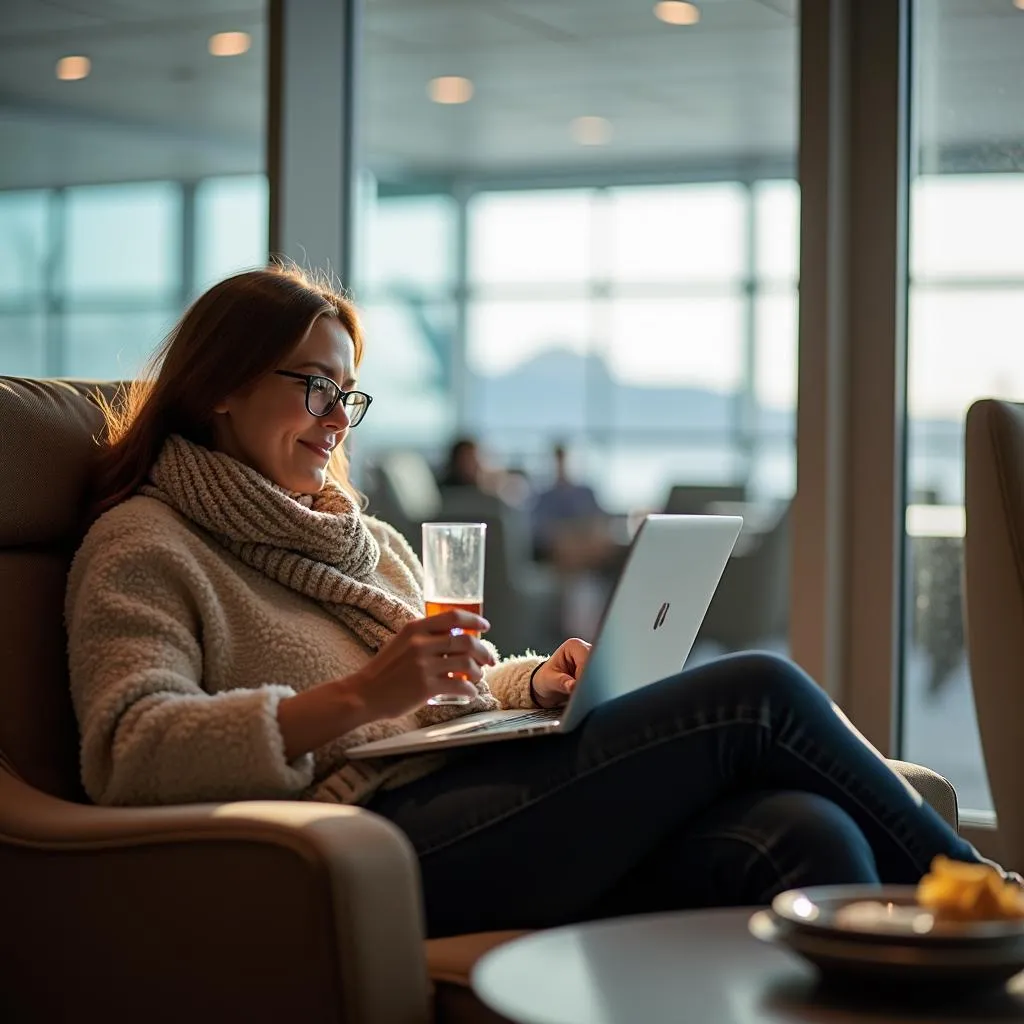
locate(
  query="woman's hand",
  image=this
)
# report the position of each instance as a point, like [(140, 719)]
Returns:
[(556, 678), (415, 665), (410, 669)]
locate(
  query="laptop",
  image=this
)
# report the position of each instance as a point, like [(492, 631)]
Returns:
[(646, 633)]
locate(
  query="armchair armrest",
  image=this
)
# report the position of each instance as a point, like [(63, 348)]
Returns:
[(937, 790), (255, 911)]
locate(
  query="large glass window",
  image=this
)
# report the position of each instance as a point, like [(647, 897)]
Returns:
[(121, 239), (592, 241), (411, 245), (24, 227), (965, 310), (531, 236), (126, 192), (231, 227), (676, 233)]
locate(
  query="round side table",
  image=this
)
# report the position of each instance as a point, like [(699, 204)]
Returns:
[(701, 966)]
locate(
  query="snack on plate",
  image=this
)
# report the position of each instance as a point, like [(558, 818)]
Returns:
[(956, 891)]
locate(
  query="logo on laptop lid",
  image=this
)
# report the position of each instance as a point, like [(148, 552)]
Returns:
[(659, 619)]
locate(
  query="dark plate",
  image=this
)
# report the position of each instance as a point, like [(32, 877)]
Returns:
[(932, 968), (888, 915)]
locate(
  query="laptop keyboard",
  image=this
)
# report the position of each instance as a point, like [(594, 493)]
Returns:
[(523, 721)]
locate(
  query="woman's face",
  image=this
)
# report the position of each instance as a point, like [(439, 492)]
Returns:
[(267, 426)]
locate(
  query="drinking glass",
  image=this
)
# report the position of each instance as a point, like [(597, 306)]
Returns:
[(453, 569)]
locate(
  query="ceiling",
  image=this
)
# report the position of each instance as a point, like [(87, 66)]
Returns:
[(720, 94)]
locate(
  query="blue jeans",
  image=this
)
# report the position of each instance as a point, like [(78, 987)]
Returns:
[(719, 786)]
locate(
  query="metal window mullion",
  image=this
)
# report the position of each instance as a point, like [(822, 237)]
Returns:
[(311, 131), (817, 592), (56, 285), (877, 335), (187, 242), (459, 377), (847, 516), (745, 407), (598, 407)]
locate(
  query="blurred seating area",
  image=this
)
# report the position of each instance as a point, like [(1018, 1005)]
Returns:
[(553, 552), (521, 595)]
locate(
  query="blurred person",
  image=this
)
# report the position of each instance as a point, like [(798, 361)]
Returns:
[(469, 486), (564, 506), (236, 622), (463, 467)]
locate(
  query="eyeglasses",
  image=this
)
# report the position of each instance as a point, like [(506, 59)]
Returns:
[(322, 395)]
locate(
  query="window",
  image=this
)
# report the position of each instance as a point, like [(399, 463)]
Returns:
[(410, 245), (24, 247), (530, 237), (529, 360), (966, 305), (406, 367), (122, 240), (125, 275), (405, 282), (654, 317), (22, 345), (113, 218), (113, 345), (598, 248), (675, 233), (231, 217)]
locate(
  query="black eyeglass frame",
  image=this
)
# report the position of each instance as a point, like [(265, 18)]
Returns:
[(309, 378)]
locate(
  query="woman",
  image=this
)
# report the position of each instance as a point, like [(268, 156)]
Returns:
[(235, 623)]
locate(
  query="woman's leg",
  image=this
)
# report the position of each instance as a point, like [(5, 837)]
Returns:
[(535, 832), (744, 852)]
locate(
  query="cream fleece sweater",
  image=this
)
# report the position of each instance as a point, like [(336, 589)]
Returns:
[(179, 654)]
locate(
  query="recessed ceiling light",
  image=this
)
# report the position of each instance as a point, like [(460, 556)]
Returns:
[(71, 69), (591, 131), (229, 44), (450, 89), (677, 12)]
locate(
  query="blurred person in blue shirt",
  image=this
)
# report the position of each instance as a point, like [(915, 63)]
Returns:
[(562, 507)]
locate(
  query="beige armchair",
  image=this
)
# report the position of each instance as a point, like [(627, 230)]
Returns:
[(253, 911), (994, 592)]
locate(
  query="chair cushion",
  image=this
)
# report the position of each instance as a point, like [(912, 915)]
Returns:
[(450, 963), (452, 959), (47, 437), (937, 791), (48, 433), (38, 734), (994, 590)]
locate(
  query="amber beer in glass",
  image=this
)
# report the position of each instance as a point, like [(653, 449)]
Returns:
[(476, 607), (453, 576)]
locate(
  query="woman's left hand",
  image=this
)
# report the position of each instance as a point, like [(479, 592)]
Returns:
[(556, 678)]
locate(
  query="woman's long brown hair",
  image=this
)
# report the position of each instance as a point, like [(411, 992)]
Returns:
[(234, 334)]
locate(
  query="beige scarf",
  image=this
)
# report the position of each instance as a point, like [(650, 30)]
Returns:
[(321, 549)]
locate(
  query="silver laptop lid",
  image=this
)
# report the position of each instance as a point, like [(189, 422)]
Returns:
[(655, 611)]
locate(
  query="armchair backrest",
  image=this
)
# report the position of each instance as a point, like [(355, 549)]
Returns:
[(994, 590), (47, 431)]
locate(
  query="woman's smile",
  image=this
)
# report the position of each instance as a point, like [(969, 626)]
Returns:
[(321, 450)]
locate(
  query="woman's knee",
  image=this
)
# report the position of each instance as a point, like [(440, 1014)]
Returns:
[(748, 849), (754, 675), (810, 840), (771, 669)]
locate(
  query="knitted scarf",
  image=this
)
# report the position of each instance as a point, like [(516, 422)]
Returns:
[(317, 545)]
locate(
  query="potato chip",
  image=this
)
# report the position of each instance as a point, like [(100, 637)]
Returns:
[(969, 892)]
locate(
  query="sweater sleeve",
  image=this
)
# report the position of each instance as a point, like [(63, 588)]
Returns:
[(150, 733), (509, 680)]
